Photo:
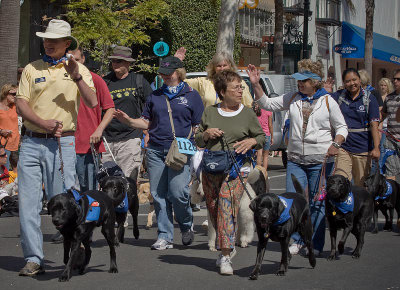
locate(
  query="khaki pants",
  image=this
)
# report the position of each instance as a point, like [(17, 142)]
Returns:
[(353, 166), (128, 155)]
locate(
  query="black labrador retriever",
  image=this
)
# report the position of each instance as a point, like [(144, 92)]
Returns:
[(347, 207), (387, 198), (123, 192), (76, 215), (277, 217)]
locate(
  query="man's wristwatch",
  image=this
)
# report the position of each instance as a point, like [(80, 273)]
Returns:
[(336, 145), (78, 79)]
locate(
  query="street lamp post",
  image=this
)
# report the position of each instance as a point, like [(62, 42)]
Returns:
[(305, 28)]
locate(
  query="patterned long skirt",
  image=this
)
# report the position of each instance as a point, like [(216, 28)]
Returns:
[(223, 200)]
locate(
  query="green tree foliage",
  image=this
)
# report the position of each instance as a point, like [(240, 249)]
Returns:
[(99, 24), (194, 25)]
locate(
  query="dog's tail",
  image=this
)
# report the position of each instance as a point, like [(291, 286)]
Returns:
[(297, 185)]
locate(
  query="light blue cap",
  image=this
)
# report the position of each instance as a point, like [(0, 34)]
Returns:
[(304, 75)]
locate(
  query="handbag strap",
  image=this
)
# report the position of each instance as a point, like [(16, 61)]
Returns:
[(172, 122)]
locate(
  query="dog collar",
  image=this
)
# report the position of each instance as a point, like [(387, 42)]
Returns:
[(285, 216), (124, 205), (346, 206), (388, 192)]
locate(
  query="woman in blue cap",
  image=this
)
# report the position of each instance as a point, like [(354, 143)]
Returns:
[(173, 111), (312, 113)]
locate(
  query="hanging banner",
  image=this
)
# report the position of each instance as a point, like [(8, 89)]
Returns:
[(251, 4)]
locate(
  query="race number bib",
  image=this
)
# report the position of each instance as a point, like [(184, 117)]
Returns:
[(185, 146)]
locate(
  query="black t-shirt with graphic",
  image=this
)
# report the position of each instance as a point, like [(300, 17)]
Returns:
[(129, 95)]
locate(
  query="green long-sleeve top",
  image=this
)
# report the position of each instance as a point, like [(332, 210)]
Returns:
[(236, 128)]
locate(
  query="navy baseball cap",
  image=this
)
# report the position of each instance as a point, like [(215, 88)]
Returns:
[(169, 65), (304, 75)]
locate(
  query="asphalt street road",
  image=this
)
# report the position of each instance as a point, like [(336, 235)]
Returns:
[(194, 267)]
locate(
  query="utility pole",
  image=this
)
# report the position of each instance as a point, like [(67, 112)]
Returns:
[(305, 29)]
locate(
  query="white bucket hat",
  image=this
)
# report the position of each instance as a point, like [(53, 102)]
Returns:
[(59, 29)]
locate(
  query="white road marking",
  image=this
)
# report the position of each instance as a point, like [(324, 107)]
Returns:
[(275, 176)]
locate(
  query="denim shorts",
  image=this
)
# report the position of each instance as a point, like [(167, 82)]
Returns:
[(267, 145)]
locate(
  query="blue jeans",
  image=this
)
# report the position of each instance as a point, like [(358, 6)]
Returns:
[(86, 172), (39, 163), (170, 190), (308, 176)]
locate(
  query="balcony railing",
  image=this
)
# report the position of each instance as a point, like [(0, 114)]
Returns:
[(294, 6), (328, 12), (254, 24)]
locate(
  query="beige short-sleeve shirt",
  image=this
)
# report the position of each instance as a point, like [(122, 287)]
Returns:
[(51, 93)]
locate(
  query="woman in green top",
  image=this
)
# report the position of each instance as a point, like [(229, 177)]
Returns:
[(240, 127)]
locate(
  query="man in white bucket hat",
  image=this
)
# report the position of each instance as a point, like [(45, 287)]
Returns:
[(48, 98)]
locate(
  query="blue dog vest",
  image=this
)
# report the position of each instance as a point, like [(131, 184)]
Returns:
[(346, 206), (286, 213), (123, 206), (94, 207), (388, 192)]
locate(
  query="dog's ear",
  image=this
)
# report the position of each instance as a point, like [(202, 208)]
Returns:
[(50, 206), (297, 185), (257, 181), (81, 209), (253, 204), (347, 184)]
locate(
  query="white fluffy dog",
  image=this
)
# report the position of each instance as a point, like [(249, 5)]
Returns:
[(245, 219)]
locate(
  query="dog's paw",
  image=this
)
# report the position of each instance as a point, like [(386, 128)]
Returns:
[(81, 270), (356, 255), (113, 270), (243, 244), (331, 257), (280, 273), (253, 276), (63, 278), (136, 233), (341, 247), (388, 227)]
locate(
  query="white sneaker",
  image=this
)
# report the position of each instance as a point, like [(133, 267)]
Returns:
[(162, 244), (231, 255), (204, 225), (226, 266), (295, 248)]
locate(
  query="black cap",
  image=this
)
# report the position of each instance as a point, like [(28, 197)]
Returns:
[(169, 65)]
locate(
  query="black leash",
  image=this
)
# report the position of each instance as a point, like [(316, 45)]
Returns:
[(236, 167), (96, 157)]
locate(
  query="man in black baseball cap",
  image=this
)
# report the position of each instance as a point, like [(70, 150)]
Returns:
[(169, 65)]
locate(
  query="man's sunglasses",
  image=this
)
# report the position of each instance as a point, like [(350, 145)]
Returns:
[(12, 94), (3, 155), (396, 79), (116, 60)]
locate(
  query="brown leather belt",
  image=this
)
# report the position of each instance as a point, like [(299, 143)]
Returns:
[(47, 135)]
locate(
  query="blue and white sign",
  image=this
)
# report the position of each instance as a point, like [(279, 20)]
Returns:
[(186, 146), (345, 48), (161, 48)]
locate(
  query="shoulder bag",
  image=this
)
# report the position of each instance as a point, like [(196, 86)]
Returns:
[(175, 159)]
